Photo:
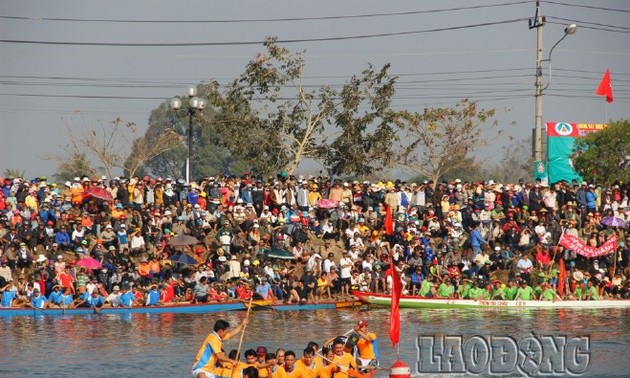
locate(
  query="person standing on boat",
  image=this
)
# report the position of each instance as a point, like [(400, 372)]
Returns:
[(366, 345), (210, 355)]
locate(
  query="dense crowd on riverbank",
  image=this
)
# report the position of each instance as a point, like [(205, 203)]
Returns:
[(298, 239)]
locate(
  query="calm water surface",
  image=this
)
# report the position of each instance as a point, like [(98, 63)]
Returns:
[(165, 345)]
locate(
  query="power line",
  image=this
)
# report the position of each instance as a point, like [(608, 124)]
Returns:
[(594, 28), (582, 23), (587, 6), (241, 43), (313, 18)]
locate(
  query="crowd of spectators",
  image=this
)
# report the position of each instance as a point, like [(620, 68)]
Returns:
[(297, 239)]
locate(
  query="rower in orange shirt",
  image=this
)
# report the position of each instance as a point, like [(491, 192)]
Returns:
[(292, 369), (328, 369), (273, 370), (342, 359), (365, 345), (308, 364)]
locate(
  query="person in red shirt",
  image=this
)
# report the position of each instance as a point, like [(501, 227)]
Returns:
[(66, 279)]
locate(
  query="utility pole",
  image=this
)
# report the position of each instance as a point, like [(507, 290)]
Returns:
[(537, 23)]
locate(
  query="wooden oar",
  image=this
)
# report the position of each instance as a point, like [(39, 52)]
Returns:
[(240, 342), (348, 370)]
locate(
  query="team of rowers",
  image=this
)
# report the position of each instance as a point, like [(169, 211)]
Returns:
[(334, 359)]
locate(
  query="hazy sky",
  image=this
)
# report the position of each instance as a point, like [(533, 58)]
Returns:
[(46, 86)]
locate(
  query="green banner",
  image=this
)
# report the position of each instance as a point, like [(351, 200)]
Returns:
[(560, 165)]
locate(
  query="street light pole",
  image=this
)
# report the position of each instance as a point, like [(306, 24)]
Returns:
[(195, 105), (538, 23)]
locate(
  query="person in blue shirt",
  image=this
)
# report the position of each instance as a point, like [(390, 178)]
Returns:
[(56, 296), (591, 199), (9, 293), (95, 301), (476, 240), (38, 300), (153, 296), (66, 298), (126, 297), (62, 238)]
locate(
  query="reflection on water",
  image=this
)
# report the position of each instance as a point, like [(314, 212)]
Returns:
[(164, 345)]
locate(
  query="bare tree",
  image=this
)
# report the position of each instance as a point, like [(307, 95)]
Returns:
[(109, 144), (439, 140)]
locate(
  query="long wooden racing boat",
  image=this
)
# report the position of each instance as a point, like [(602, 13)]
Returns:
[(184, 308), (443, 303)]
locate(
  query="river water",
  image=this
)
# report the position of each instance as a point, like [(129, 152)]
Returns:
[(165, 345)]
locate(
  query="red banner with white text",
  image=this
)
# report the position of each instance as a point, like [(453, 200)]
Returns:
[(575, 244)]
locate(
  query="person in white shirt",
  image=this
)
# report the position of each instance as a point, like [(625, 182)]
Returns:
[(114, 297), (329, 262), (345, 273)]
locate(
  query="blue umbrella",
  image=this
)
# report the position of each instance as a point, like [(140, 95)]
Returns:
[(183, 259)]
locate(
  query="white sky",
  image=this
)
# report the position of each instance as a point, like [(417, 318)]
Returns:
[(43, 87)]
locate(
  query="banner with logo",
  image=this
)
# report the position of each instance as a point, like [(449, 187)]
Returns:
[(560, 138), (575, 244)]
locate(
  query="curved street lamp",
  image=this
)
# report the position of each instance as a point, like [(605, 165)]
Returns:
[(195, 105), (569, 30)]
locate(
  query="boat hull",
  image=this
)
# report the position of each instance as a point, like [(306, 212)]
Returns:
[(442, 303), (202, 308)]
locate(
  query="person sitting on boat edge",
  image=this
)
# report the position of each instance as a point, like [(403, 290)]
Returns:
[(366, 345), (211, 355), (525, 292)]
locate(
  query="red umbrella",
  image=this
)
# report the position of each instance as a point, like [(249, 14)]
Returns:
[(88, 262), (100, 193)]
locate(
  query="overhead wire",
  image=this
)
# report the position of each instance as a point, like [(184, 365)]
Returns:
[(242, 43), (283, 19)]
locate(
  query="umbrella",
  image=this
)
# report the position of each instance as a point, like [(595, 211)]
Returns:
[(183, 259), (182, 240), (280, 254), (327, 204), (100, 193), (613, 222), (88, 262)]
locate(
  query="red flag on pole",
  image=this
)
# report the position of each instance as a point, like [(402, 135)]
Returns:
[(562, 276), (605, 87), (389, 221), (394, 320)]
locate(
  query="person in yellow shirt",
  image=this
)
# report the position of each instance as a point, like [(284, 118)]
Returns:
[(328, 369), (366, 345), (210, 357), (308, 364), (292, 369), (261, 358), (342, 359), (273, 369)]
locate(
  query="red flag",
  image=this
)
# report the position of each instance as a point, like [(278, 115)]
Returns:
[(605, 87), (389, 221), (562, 276), (394, 319)]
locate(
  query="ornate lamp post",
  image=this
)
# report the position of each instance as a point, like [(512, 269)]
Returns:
[(195, 105)]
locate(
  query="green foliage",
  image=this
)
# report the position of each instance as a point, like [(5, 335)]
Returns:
[(13, 173), (604, 156), (273, 121), (77, 165), (167, 125)]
